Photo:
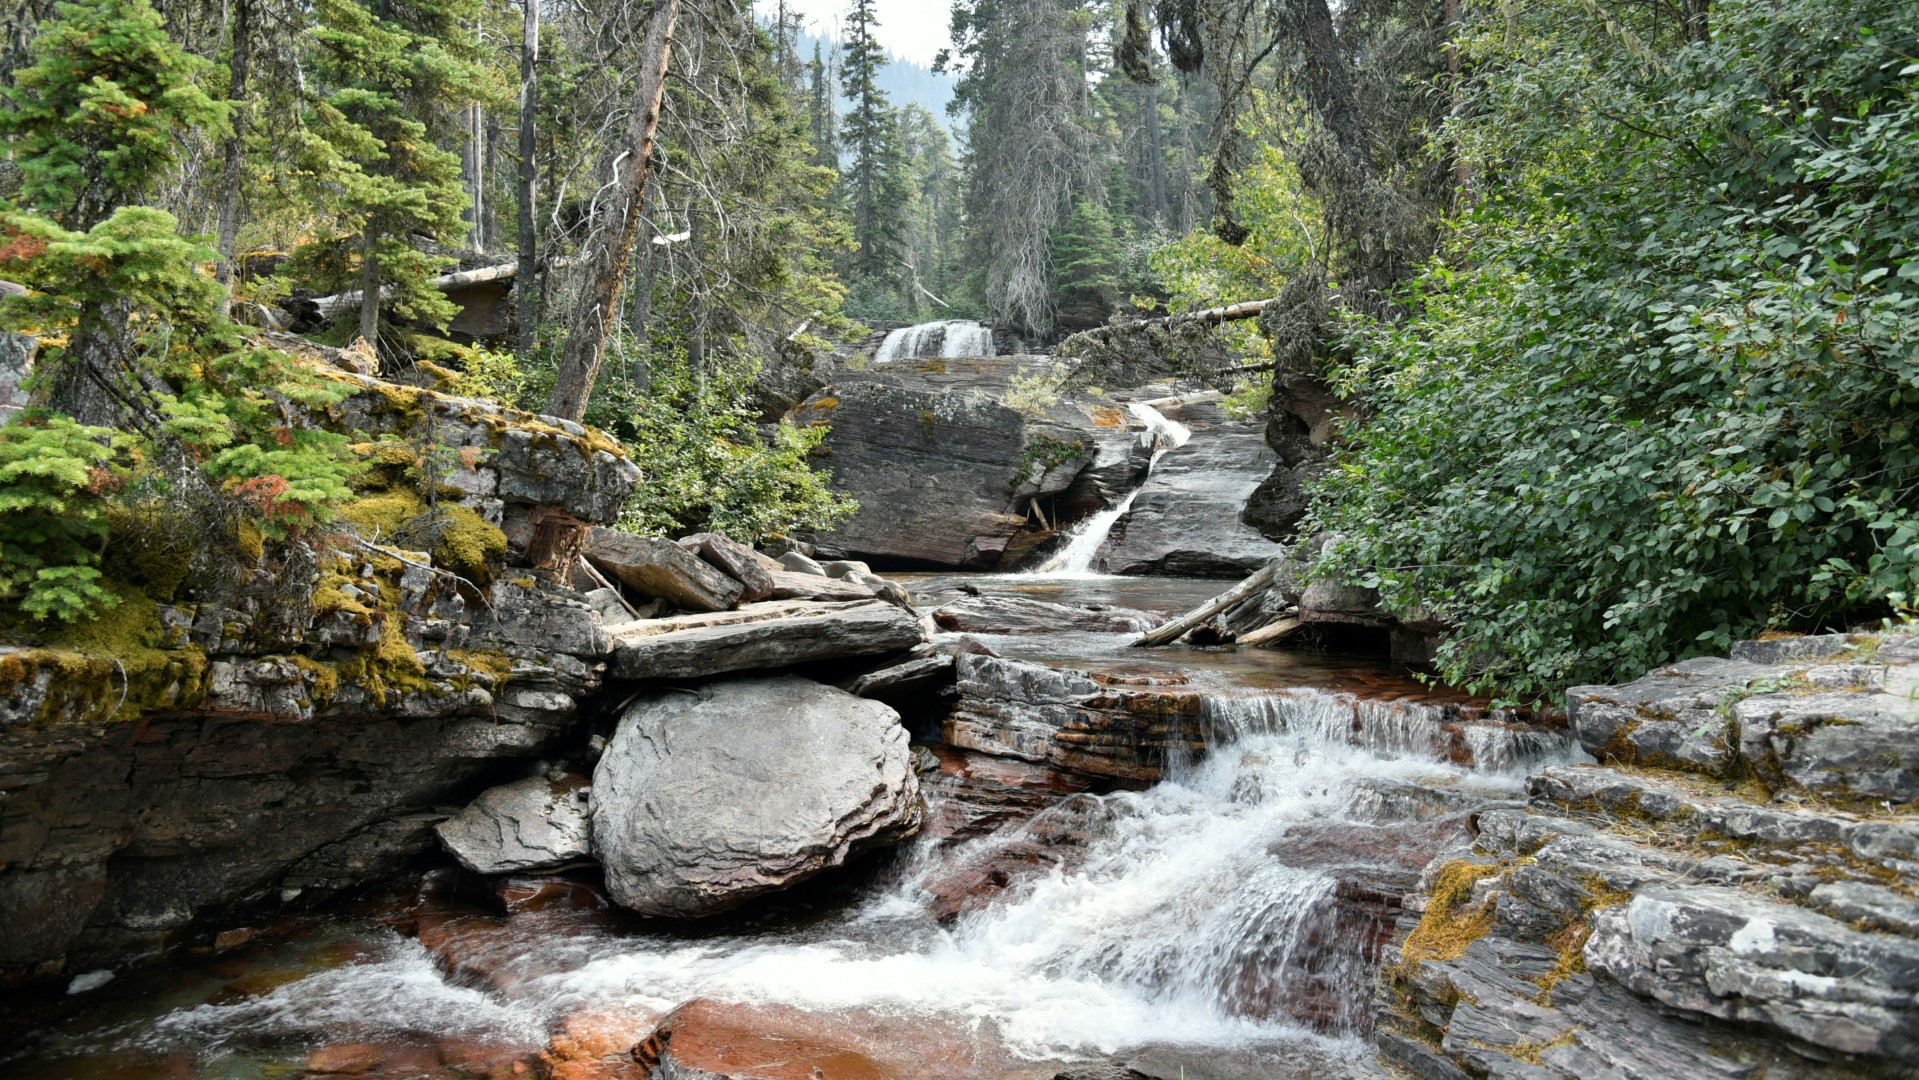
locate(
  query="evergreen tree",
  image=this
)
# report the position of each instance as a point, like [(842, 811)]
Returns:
[(822, 123), (874, 177), (95, 120), (397, 72)]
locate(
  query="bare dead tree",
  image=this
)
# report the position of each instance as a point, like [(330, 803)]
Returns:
[(606, 263)]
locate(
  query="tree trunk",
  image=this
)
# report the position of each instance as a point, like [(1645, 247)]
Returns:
[(369, 292), (1156, 168), (525, 286), (234, 155), (473, 172), (606, 264)]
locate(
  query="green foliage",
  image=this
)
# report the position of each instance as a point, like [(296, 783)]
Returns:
[(94, 119), (1661, 392), (53, 519), (396, 73), (709, 465)]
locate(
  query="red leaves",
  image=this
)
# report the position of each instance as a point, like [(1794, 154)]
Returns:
[(268, 495)]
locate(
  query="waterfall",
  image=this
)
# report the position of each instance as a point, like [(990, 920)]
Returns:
[(950, 339), (1076, 559), (1240, 903)]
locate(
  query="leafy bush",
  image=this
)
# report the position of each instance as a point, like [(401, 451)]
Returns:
[(707, 464), (1659, 393)]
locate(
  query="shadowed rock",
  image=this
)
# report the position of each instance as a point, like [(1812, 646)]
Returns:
[(1019, 615), (531, 824), (662, 568)]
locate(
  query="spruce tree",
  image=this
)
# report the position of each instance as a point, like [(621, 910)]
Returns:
[(397, 73), (95, 120), (875, 172)]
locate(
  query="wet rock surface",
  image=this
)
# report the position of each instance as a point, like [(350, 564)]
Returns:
[(1189, 518), (707, 799), (1020, 615), (1714, 899)]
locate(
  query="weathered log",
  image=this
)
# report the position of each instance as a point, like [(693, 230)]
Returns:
[(1197, 617), (340, 303)]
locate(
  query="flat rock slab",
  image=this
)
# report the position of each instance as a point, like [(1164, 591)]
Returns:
[(759, 637), (707, 799), (531, 824), (1020, 615), (662, 568), (798, 585)]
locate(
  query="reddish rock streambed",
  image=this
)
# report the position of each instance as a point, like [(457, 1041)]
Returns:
[(1223, 922)]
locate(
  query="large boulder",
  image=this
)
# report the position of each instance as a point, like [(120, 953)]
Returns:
[(709, 798), (538, 823), (946, 472)]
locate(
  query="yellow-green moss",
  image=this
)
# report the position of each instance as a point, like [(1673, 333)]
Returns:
[(1445, 929), (119, 665), (469, 545), (381, 516)]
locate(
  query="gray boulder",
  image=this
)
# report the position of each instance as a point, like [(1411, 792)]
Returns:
[(532, 824), (707, 799), (1189, 517)]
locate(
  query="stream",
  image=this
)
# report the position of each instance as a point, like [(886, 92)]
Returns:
[(1214, 924)]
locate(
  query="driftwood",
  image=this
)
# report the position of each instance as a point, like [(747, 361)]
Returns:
[(1274, 632), (1197, 617)]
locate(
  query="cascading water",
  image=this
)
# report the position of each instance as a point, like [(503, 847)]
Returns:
[(1077, 558), (1215, 911), (950, 339)]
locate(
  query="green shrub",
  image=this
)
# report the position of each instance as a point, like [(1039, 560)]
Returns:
[(1659, 393)]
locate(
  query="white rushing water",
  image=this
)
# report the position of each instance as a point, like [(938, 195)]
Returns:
[(1078, 557), (952, 338), (1196, 913)]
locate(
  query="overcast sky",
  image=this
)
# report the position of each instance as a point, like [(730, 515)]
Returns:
[(909, 29)]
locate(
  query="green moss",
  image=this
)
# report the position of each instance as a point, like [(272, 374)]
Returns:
[(1446, 929), (928, 424), (469, 545), (119, 665), (384, 515)]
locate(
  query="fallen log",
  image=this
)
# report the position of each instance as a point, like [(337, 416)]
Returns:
[(340, 303), (1193, 619)]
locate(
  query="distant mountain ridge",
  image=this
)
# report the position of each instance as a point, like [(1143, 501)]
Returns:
[(903, 80)]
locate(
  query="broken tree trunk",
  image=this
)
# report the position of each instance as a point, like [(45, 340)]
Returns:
[(599, 303), (1197, 617), (529, 226)]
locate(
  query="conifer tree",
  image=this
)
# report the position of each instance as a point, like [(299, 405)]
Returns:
[(875, 170), (397, 73)]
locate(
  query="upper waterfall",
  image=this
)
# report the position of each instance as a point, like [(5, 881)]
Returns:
[(950, 339)]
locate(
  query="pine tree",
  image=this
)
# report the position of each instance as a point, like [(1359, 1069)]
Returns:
[(875, 181), (95, 120), (822, 123), (397, 73)]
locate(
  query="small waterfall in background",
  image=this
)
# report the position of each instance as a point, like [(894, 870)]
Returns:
[(950, 339), (1083, 542)]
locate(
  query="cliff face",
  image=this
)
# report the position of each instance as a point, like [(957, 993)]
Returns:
[(297, 731), (1729, 892)]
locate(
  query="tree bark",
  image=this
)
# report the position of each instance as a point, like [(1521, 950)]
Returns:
[(233, 155), (599, 304), (473, 170), (369, 291), (525, 285)]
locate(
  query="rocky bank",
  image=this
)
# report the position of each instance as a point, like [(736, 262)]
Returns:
[(1732, 890)]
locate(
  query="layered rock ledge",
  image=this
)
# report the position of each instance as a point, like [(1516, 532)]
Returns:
[(1732, 891)]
